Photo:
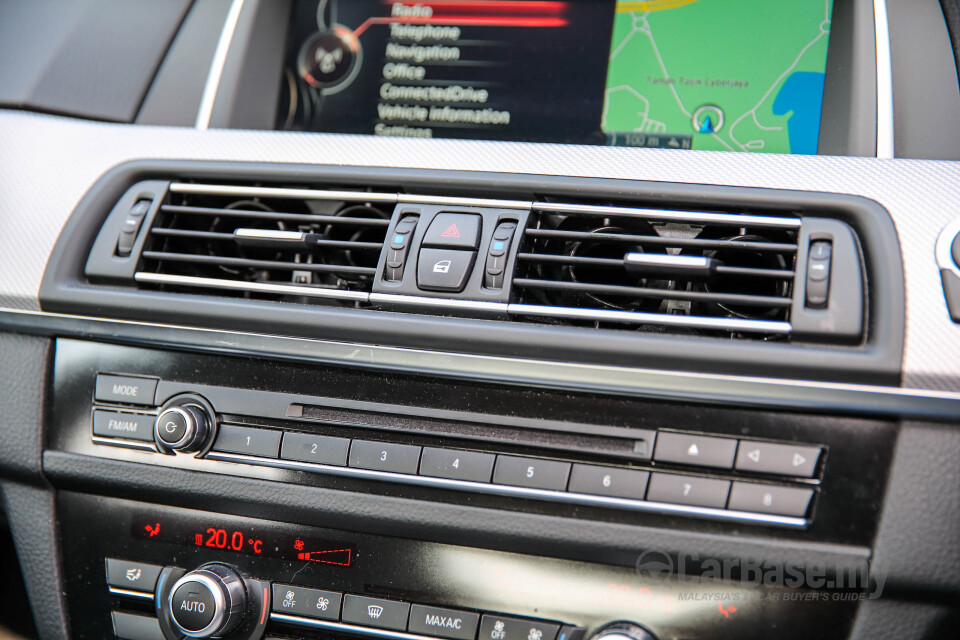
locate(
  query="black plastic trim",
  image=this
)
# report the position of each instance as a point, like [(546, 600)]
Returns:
[(610, 542), (64, 288)]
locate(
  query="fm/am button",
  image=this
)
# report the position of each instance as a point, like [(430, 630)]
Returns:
[(132, 426)]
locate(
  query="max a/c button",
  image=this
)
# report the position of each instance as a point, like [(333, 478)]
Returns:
[(443, 623)]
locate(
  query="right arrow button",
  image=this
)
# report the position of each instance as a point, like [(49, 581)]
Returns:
[(778, 459)]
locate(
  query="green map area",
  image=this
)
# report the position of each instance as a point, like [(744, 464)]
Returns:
[(736, 75)]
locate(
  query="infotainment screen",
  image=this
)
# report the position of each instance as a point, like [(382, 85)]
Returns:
[(736, 75)]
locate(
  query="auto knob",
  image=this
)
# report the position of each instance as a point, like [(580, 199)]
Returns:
[(182, 427), (623, 631), (207, 602)]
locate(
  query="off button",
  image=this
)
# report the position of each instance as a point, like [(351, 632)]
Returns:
[(193, 606)]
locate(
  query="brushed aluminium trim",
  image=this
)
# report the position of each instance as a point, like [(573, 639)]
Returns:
[(944, 250), (885, 130), (281, 192), (254, 287), (146, 595), (671, 215), (140, 445), (663, 383), (778, 222), (442, 303), (519, 492), (452, 201), (664, 319), (212, 85), (350, 628)]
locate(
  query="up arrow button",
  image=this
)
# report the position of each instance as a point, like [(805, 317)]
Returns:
[(778, 459)]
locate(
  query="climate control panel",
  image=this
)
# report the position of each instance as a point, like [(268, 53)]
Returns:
[(140, 571)]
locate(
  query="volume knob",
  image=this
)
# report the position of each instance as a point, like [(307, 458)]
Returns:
[(182, 428), (207, 602)]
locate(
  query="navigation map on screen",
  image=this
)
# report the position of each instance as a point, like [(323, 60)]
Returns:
[(735, 75)]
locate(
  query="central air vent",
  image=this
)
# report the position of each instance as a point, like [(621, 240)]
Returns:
[(696, 272), (267, 242)]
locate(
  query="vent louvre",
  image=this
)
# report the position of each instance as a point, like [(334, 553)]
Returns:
[(254, 241), (690, 271)]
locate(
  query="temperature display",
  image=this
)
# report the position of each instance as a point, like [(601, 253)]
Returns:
[(244, 540), (223, 539)]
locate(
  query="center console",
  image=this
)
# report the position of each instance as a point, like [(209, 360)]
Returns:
[(518, 514)]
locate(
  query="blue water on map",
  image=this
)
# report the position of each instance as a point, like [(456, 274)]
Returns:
[(802, 93)]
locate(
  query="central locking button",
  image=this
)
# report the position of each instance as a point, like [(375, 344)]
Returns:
[(444, 269)]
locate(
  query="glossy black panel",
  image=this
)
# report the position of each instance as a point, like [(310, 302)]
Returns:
[(459, 577), (846, 509)]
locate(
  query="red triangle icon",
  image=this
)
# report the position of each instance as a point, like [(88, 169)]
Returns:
[(451, 232)]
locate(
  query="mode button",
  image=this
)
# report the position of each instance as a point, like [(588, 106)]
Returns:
[(125, 389)]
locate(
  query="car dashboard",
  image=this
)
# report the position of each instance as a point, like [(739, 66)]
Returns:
[(479, 320)]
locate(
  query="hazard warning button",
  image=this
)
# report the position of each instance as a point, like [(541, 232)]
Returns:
[(453, 231)]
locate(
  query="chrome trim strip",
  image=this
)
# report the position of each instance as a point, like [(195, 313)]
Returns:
[(342, 626), (944, 250), (140, 445), (453, 201), (216, 65), (442, 303), (256, 287), (885, 131), (146, 595), (667, 214), (518, 492), (781, 393), (279, 192), (639, 317), (667, 260), (269, 234)]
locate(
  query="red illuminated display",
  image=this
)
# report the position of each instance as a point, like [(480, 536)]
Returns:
[(234, 540), (250, 540)]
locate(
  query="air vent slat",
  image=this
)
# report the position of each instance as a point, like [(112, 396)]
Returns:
[(244, 263), (716, 270), (271, 215), (201, 238), (646, 292), (693, 243), (189, 233), (615, 263)]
